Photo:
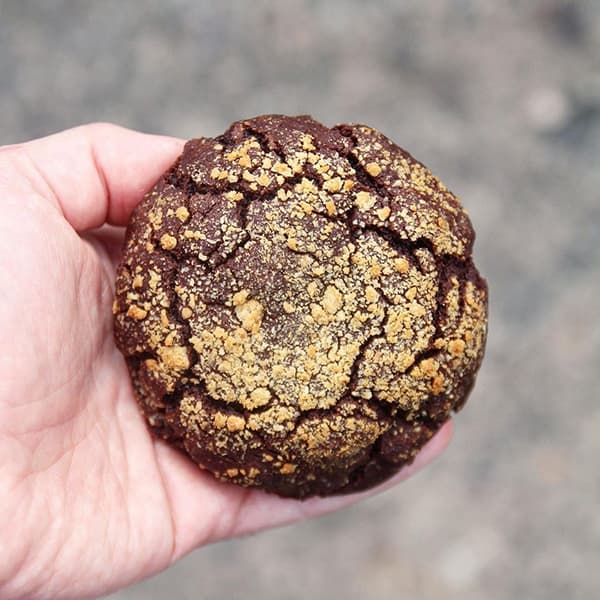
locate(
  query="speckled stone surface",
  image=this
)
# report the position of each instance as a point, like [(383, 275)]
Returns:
[(502, 101)]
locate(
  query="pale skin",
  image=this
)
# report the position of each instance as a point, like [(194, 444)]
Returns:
[(89, 501)]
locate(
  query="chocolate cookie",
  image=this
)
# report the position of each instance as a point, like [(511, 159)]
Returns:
[(298, 306)]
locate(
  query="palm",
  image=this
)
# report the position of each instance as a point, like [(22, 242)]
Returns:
[(80, 446), (77, 445), (89, 500)]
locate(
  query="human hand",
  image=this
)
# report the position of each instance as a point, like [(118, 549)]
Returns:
[(89, 501)]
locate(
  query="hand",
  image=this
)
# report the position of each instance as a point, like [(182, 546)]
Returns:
[(89, 501)]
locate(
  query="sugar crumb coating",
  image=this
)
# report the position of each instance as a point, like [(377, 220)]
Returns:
[(298, 306)]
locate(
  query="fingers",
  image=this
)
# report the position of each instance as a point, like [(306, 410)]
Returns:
[(205, 510), (265, 510), (97, 173)]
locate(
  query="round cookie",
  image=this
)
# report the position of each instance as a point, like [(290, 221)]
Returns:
[(298, 306)]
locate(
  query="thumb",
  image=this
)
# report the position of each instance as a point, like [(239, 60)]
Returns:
[(95, 173)]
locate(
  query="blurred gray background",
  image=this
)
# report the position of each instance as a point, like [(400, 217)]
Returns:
[(502, 101)]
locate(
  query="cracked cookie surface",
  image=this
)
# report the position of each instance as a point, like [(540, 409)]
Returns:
[(298, 306)]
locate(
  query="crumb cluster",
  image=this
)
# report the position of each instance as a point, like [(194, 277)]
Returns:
[(298, 306)]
